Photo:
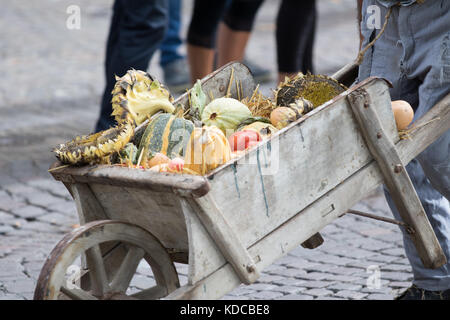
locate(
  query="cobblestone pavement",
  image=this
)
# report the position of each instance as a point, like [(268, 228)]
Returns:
[(50, 89)]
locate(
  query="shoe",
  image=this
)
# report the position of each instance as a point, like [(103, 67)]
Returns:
[(177, 76), (260, 74), (416, 293)]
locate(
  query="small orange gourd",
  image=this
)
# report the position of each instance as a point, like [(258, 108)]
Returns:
[(207, 149), (282, 116), (403, 113)]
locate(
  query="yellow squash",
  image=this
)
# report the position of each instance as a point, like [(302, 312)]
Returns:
[(207, 149), (264, 129)]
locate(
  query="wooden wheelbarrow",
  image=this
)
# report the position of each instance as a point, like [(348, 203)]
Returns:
[(232, 223)]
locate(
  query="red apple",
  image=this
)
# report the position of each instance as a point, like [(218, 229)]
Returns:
[(241, 140)]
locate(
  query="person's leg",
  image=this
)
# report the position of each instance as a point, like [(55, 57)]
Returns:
[(437, 209), (408, 54), (310, 33), (430, 62), (105, 120), (174, 65), (295, 37), (137, 29), (172, 40), (201, 36), (425, 46), (433, 66), (227, 52), (235, 30), (201, 61)]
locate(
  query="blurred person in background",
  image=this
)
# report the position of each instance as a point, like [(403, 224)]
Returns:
[(174, 65), (295, 29), (137, 30)]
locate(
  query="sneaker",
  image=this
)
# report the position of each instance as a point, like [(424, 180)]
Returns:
[(260, 74), (416, 293), (177, 76)]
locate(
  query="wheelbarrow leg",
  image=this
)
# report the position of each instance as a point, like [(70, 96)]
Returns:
[(396, 179), (226, 239), (313, 242)]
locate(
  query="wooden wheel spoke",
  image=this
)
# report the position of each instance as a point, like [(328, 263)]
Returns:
[(77, 294), (121, 296), (97, 272), (152, 293), (127, 269)]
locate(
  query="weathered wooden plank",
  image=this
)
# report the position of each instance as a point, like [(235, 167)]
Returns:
[(204, 255), (212, 287), (135, 178), (330, 206), (426, 130), (216, 83), (88, 207), (319, 214), (396, 179), (226, 239), (273, 182), (336, 202), (289, 235), (158, 212)]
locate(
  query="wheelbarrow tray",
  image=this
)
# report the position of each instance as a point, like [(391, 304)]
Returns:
[(243, 216)]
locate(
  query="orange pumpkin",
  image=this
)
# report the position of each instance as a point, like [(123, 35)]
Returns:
[(158, 158), (282, 116), (207, 149), (403, 113)]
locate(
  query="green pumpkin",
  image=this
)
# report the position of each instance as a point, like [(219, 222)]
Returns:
[(225, 113), (167, 134)]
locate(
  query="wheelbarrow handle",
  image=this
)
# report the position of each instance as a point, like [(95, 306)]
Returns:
[(347, 74)]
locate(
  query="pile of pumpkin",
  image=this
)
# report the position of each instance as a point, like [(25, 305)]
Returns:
[(207, 135), (152, 133)]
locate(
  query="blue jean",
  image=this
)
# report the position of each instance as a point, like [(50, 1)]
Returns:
[(172, 41), (136, 32), (414, 54)]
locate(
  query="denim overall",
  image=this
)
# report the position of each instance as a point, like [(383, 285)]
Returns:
[(413, 53)]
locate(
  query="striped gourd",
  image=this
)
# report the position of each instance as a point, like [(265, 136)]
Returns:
[(207, 149), (167, 134)]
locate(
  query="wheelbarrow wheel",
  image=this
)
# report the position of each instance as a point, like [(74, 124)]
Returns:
[(111, 251)]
